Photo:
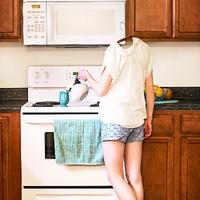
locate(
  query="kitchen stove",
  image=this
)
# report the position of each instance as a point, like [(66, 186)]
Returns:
[(45, 83), (42, 177)]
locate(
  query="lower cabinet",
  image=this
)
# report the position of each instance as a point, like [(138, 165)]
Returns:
[(190, 156), (157, 168), (158, 158), (171, 156), (10, 172), (190, 168), (170, 162)]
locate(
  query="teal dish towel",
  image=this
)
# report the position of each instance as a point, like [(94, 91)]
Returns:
[(78, 142)]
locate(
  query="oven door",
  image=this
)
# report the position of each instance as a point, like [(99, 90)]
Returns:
[(42, 178)]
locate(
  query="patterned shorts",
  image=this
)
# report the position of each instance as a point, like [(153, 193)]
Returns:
[(115, 132)]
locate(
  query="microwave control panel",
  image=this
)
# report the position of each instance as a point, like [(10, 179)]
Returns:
[(34, 15)]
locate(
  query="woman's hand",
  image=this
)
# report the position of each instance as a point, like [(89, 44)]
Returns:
[(83, 75), (101, 87), (147, 128)]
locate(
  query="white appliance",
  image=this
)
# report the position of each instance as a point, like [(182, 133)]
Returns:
[(42, 178), (77, 22)]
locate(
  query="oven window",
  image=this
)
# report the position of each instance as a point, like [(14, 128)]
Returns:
[(49, 145)]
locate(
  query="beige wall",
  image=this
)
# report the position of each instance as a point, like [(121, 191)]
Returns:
[(176, 64)]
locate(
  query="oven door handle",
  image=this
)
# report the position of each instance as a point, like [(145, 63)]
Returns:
[(49, 119)]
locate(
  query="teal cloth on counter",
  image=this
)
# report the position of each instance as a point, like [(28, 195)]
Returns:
[(78, 142)]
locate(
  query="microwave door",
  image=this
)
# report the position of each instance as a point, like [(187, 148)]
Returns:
[(84, 23)]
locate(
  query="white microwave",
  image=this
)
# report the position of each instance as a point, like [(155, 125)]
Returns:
[(73, 22)]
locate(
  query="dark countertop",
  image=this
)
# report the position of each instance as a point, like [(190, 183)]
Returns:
[(180, 105), (11, 105), (15, 105), (11, 99)]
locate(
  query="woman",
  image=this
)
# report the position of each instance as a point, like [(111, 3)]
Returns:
[(126, 117)]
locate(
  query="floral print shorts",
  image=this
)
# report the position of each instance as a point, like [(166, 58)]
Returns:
[(115, 132)]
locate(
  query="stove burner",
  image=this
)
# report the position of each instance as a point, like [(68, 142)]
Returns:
[(95, 105), (45, 104)]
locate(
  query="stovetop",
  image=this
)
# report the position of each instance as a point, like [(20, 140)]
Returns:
[(56, 108), (56, 103), (45, 104)]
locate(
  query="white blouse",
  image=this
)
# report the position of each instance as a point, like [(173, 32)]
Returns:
[(124, 104)]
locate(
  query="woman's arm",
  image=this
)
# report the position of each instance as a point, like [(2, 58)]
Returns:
[(100, 87), (149, 104)]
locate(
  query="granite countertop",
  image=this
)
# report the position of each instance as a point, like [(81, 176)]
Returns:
[(11, 99), (180, 105), (188, 99), (15, 105), (11, 106)]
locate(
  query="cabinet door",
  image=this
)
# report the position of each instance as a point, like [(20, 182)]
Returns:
[(10, 176), (157, 168), (187, 19), (190, 163), (10, 17), (149, 18), (4, 164)]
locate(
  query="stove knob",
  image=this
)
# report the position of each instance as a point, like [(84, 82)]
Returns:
[(37, 75), (46, 74)]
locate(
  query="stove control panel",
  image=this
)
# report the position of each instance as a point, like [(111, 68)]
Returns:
[(57, 76)]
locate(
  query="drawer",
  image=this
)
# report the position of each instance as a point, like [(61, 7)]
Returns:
[(190, 123), (163, 123)]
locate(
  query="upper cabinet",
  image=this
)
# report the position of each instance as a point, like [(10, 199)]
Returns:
[(163, 19), (149, 19), (187, 19), (10, 20)]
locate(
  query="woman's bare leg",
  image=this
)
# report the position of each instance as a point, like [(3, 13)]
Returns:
[(114, 157), (133, 155)]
